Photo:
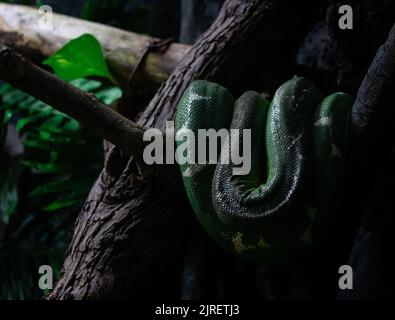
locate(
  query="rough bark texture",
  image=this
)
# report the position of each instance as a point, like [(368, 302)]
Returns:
[(370, 107), (131, 235), (19, 29), (337, 59), (343, 56), (373, 121)]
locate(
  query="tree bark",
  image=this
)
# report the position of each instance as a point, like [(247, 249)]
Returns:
[(19, 29), (373, 120), (338, 59), (130, 237)]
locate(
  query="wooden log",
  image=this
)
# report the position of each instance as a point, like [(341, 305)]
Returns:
[(20, 29)]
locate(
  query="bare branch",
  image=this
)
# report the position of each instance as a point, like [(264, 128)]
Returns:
[(84, 107)]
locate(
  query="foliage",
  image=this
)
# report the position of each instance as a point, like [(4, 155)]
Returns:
[(9, 190), (117, 13), (59, 164), (41, 189), (56, 145), (81, 57), (62, 161), (17, 278)]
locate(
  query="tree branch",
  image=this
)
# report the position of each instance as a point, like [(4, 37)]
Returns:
[(373, 122), (84, 107), (19, 29), (376, 85)]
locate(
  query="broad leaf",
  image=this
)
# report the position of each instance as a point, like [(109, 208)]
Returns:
[(60, 204), (81, 57)]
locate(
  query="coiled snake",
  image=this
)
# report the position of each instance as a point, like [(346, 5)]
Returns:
[(287, 202)]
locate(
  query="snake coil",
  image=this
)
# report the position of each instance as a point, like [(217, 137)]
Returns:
[(287, 201)]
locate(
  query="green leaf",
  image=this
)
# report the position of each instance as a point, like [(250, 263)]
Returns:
[(3, 88), (86, 84), (25, 104), (53, 122), (60, 204), (108, 96), (52, 187), (23, 122), (72, 125), (47, 167), (7, 116), (9, 190), (57, 148), (13, 97), (81, 57)]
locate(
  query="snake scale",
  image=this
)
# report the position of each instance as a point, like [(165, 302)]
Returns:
[(287, 201)]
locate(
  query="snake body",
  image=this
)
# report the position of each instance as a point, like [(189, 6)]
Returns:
[(287, 201)]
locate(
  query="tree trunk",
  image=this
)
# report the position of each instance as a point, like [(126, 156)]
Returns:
[(337, 59), (130, 237), (373, 118)]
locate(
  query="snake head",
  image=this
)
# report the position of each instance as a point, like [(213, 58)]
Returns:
[(11, 64)]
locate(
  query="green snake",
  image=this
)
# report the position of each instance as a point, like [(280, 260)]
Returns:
[(287, 201)]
